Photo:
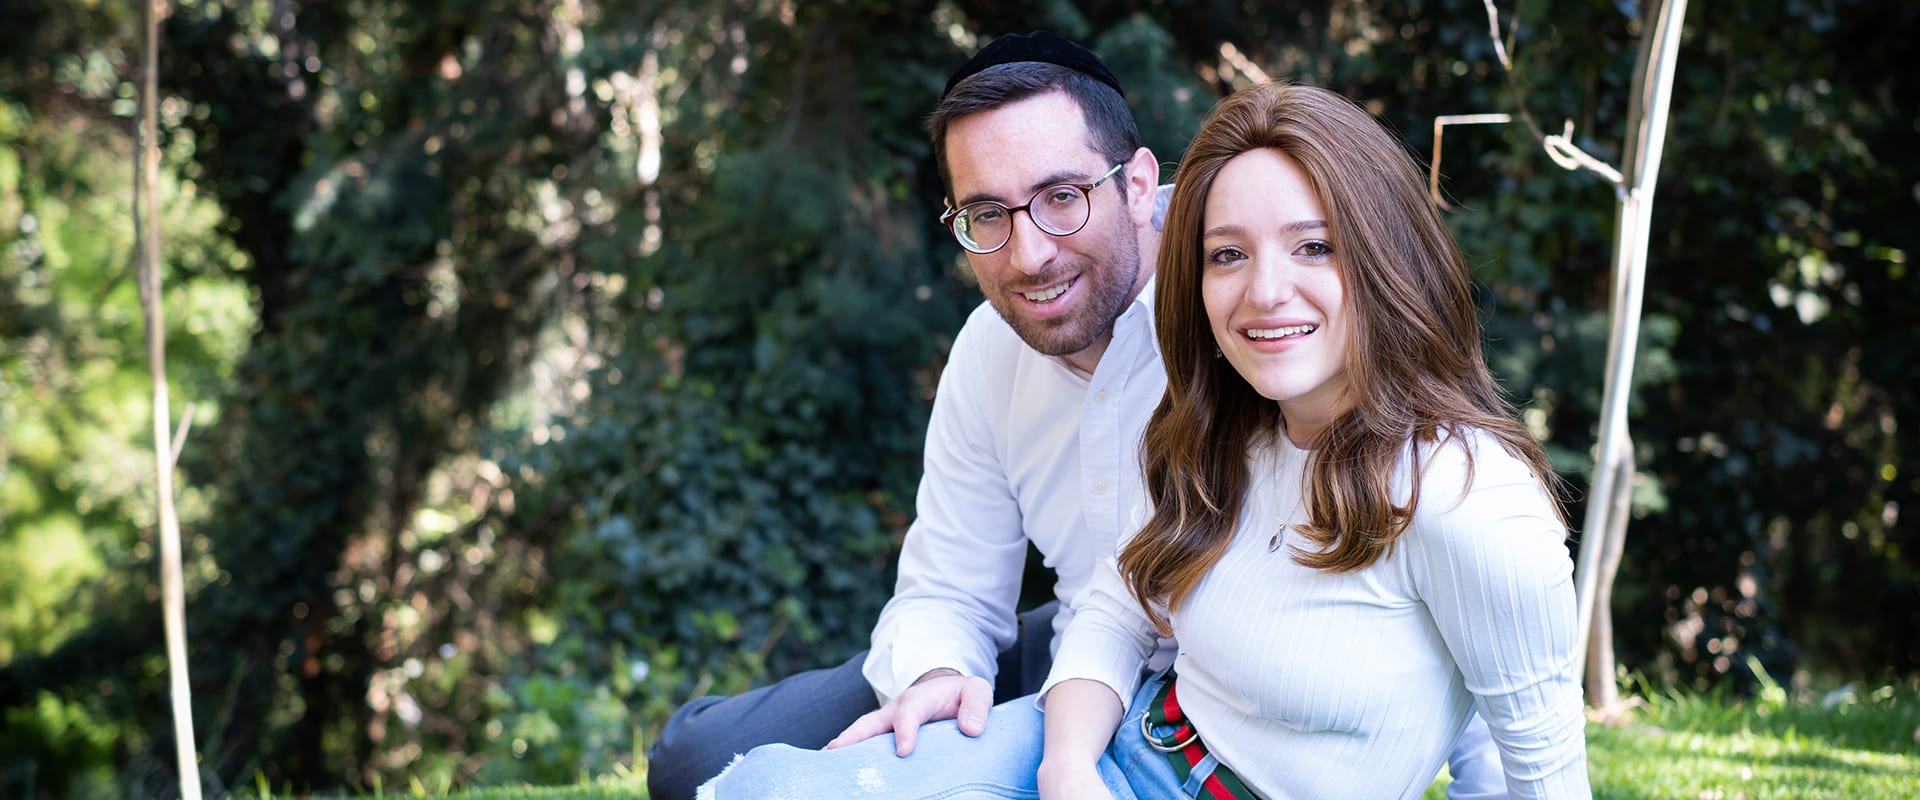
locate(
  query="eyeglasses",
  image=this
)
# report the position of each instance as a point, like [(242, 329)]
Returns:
[(1062, 209)]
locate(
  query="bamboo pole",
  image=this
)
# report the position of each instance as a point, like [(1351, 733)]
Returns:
[(147, 254), (1606, 519)]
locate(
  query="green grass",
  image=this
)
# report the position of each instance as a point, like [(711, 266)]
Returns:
[(1688, 746), (1675, 746), (604, 789)]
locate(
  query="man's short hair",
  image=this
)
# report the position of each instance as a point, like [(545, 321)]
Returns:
[(1109, 124)]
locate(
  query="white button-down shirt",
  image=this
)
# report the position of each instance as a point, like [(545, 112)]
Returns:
[(1019, 448)]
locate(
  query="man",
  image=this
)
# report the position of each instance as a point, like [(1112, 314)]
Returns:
[(1035, 430)]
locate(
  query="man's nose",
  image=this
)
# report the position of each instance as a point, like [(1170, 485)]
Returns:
[(1028, 247)]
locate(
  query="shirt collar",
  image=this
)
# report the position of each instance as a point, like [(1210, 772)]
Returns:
[(1138, 314)]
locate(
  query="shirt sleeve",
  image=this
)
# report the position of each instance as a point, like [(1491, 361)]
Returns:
[(964, 555), (1490, 563), (1110, 639)]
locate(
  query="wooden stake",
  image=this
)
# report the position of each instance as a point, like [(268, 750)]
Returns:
[(147, 253)]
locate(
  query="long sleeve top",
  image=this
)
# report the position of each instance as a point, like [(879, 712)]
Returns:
[(1019, 448), (1311, 684)]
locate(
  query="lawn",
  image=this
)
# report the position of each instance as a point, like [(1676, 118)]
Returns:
[(1686, 747)]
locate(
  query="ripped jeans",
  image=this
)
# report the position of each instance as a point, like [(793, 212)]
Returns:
[(949, 765)]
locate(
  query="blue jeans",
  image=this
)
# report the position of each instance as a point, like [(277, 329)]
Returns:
[(949, 765), (807, 710)]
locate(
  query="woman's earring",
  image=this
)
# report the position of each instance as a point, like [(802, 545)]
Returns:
[(1216, 351)]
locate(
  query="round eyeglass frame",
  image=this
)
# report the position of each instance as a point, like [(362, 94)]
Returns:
[(952, 215)]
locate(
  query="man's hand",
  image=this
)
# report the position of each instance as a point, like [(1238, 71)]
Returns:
[(937, 695)]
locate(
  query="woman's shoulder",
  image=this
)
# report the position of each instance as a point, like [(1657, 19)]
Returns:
[(1483, 516), (1466, 473), (1461, 450)]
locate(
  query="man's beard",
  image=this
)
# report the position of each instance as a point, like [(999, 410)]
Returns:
[(1108, 288)]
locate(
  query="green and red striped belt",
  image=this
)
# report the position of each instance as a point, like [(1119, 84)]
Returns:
[(1184, 748)]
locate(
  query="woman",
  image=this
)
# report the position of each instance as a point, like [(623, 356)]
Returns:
[(1351, 537)]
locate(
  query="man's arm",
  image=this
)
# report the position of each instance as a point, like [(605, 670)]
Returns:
[(952, 612)]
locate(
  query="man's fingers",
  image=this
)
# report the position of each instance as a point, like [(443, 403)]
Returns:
[(869, 725), (936, 699), (976, 698), (906, 728)]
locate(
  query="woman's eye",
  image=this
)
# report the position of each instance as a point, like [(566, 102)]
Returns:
[(1225, 255), (1316, 249)]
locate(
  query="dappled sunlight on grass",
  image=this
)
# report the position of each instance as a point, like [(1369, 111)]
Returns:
[(1844, 744), (1638, 761)]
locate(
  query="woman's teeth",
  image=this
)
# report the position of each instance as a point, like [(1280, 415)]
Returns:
[(1280, 333)]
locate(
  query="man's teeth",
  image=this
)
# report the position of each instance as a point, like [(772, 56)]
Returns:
[(1047, 294), (1280, 333)]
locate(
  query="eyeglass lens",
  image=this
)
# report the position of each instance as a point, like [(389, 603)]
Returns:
[(985, 226)]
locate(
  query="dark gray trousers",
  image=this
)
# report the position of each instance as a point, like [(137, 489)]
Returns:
[(807, 710)]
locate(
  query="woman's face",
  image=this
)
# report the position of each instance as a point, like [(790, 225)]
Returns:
[(1270, 278)]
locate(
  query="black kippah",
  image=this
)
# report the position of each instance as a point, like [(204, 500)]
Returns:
[(1037, 46)]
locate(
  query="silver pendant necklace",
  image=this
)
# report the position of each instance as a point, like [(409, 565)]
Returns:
[(1280, 521)]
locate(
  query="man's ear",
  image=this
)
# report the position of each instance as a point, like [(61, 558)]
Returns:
[(1143, 179)]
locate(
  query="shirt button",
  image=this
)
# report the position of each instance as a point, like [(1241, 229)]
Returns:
[(1101, 396), (1099, 487)]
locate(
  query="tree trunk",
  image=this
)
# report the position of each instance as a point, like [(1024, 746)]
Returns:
[(1645, 141), (1603, 692)]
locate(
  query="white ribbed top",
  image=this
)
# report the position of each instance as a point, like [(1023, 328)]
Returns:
[(1317, 685)]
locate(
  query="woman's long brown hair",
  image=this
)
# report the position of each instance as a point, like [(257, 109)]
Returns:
[(1414, 366)]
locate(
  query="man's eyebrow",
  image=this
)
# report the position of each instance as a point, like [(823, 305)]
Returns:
[(1054, 178), (1297, 226)]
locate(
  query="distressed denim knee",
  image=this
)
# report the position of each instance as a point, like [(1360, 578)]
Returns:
[(946, 764)]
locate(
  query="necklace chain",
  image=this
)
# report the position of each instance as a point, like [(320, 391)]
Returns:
[(1280, 519)]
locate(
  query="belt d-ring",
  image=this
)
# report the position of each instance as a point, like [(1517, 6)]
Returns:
[(1155, 742)]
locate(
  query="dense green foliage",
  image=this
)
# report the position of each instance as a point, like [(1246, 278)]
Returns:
[(555, 361)]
